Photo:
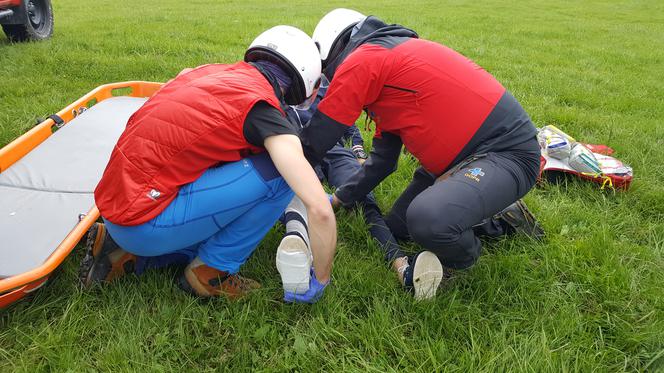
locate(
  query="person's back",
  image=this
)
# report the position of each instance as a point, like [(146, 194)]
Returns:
[(429, 95), (192, 123)]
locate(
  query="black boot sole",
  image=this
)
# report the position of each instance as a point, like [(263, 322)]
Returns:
[(528, 225)]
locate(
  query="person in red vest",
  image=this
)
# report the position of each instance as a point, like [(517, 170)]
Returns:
[(476, 146), (205, 168)]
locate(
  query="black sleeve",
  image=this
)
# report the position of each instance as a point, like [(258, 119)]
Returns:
[(381, 163), (320, 136), (264, 121)]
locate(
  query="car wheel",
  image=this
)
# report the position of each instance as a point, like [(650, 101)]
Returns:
[(38, 23)]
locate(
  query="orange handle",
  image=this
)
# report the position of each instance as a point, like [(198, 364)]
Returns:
[(18, 148), (8, 298)]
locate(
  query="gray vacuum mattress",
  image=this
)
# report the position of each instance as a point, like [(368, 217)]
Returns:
[(43, 194)]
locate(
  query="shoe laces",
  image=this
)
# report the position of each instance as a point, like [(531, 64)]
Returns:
[(239, 282), (402, 269)]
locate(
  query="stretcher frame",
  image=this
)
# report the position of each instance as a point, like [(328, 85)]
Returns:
[(18, 286)]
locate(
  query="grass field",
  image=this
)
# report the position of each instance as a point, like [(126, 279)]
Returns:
[(590, 298)]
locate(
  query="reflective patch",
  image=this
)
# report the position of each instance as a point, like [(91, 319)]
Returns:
[(474, 173), (154, 194)]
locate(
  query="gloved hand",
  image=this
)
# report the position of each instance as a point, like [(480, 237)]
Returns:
[(311, 296), (334, 201)]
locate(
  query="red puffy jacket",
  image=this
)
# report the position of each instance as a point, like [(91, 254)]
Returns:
[(192, 123)]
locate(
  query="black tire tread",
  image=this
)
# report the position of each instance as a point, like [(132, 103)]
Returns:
[(25, 31)]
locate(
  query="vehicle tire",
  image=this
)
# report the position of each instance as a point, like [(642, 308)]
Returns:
[(38, 23)]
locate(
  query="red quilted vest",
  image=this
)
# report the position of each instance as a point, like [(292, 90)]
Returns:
[(192, 123)]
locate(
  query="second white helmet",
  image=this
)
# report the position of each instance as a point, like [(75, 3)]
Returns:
[(332, 28), (295, 52)]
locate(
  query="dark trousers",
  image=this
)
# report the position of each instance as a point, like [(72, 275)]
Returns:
[(353, 135), (337, 167), (447, 215)]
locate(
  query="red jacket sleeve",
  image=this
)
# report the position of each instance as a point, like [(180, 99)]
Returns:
[(356, 83)]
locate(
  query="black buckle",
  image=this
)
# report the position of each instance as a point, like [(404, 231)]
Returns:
[(58, 121)]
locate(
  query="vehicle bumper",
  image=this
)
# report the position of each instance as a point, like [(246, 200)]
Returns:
[(9, 13)]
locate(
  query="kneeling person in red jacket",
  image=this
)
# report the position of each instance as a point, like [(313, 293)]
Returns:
[(475, 143), (205, 168)]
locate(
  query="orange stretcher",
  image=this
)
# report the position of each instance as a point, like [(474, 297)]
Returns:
[(26, 187)]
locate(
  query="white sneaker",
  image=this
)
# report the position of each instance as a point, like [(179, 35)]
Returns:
[(293, 263), (423, 276)]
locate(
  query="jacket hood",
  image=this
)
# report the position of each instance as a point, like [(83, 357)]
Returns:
[(369, 29)]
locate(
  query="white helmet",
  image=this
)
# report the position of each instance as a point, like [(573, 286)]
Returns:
[(333, 27), (293, 50)]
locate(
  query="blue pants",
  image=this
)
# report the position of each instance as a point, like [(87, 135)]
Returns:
[(353, 134), (221, 217)]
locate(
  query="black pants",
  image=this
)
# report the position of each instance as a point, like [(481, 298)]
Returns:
[(340, 164), (446, 216)]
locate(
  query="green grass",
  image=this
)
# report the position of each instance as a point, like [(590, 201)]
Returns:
[(588, 299)]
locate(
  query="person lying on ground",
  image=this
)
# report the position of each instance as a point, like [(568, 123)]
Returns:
[(352, 134), (339, 163), (205, 168), (476, 145)]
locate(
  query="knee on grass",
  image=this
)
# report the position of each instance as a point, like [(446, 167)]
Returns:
[(440, 233), (430, 226)]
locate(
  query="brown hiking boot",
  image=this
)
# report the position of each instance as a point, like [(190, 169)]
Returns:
[(104, 260), (204, 281), (520, 220)]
